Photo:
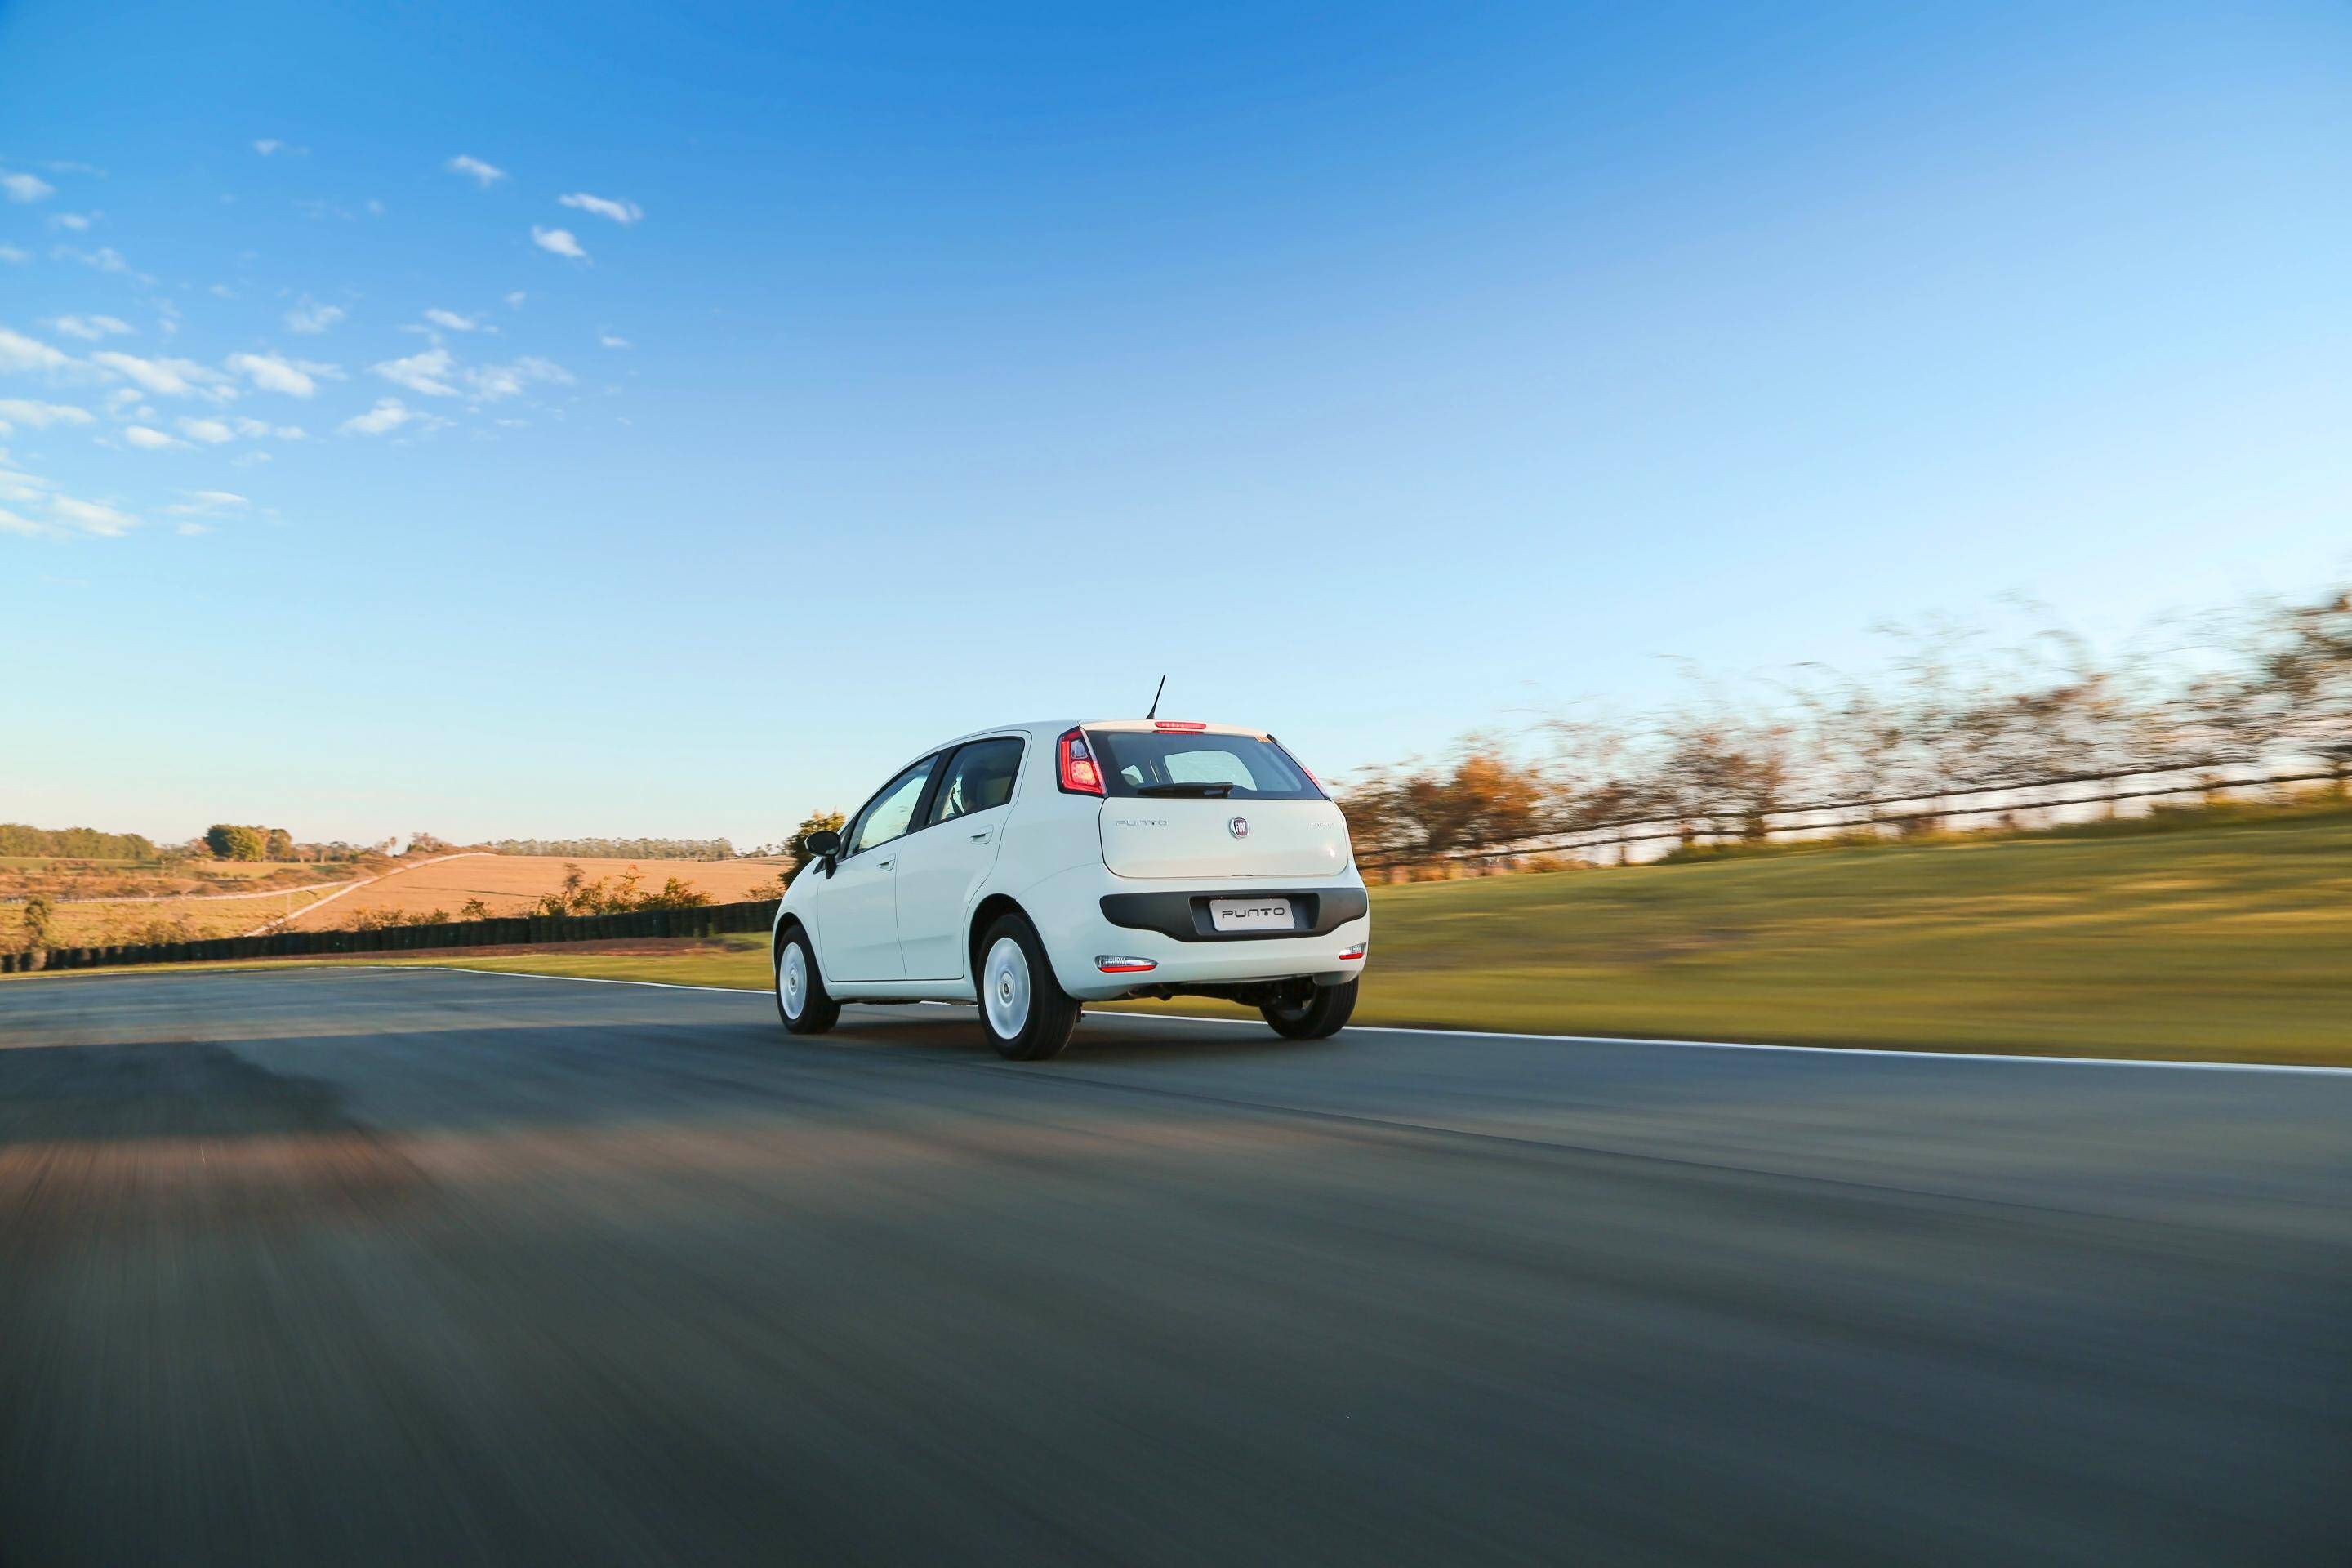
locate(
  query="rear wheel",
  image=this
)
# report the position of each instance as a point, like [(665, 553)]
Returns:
[(1321, 1016), (1026, 1014), (801, 1000)]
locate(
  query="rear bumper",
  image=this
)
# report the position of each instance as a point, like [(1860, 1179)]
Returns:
[(1183, 914), (1086, 916)]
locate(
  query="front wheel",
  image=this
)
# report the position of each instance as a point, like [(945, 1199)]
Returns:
[(1027, 1015), (801, 1000), (1320, 1018)]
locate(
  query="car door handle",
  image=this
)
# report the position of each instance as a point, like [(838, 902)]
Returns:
[(882, 865), (980, 837)]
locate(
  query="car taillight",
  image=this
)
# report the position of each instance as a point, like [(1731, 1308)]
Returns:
[(1355, 952), (1114, 963), (1079, 774)]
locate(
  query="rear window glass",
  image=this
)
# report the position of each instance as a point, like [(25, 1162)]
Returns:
[(1176, 763)]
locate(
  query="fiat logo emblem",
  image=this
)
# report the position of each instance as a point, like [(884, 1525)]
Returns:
[(1238, 827)]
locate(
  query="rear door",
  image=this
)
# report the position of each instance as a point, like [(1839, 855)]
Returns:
[(858, 924), (942, 863)]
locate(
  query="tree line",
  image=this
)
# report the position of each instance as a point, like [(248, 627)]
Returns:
[(618, 848), (2264, 691), (18, 838)]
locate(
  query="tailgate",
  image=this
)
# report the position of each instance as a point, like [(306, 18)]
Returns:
[(1146, 837)]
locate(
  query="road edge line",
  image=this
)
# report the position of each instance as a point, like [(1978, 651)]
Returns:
[(2313, 1068)]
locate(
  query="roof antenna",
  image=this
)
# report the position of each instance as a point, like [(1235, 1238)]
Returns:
[(1155, 697)]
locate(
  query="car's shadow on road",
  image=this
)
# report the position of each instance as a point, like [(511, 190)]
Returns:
[(1104, 1038)]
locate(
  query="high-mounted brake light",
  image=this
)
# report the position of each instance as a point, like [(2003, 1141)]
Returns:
[(1113, 965), (1079, 773), (1176, 724)]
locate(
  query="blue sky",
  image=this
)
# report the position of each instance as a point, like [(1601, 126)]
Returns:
[(1376, 372)]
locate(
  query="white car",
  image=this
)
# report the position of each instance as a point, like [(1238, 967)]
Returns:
[(1035, 868)]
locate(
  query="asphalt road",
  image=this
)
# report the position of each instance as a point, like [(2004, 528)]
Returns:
[(437, 1268)]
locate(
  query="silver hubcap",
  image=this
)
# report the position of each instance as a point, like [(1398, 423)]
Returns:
[(791, 980), (1004, 988)]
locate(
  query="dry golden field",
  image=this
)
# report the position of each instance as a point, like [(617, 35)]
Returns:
[(59, 877), (512, 884), (506, 884), (161, 919)]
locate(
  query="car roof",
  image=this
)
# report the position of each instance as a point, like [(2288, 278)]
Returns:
[(1046, 729)]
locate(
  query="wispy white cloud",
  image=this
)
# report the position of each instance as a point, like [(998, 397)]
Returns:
[(105, 258), (515, 299), (18, 188), (613, 340), (436, 372), (92, 517), (492, 382), (147, 440), (473, 168), (276, 372), (15, 256), (452, 320), (91, 329), (312, 318), (562, 241), (35, 507), (428, 373), (389, 414), (167, 377), (270, 146), (19, 488), (77, 222), (207, 503), (36, 415), (211, 432), (620, 212), (246, 425), (19, 353), (41, 415)]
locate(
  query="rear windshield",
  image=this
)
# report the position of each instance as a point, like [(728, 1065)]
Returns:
[(1176, 763)]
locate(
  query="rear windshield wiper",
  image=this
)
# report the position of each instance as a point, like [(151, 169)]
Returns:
[(1191, 789)]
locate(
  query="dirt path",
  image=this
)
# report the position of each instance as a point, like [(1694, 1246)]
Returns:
[(353, 888)]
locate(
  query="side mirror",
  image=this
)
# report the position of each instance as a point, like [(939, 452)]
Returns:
[(822, 845)]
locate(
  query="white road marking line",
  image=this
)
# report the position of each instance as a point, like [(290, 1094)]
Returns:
[(582, 978), (1500, 1035)]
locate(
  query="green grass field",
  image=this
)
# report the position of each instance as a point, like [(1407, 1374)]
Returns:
[(2219, 942)]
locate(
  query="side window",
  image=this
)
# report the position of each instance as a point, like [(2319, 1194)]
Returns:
[(892, 812), (979, 778)]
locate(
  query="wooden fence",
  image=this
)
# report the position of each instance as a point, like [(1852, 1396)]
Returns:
[(711, 920)]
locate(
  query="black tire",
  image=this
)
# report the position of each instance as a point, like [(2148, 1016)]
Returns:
[(819, 1011), (1051, 1012), (1320, 1018)]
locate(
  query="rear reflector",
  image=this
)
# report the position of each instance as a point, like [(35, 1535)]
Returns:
[(1116, 965), (1355, 952), (1176, 724), (1079, 776)]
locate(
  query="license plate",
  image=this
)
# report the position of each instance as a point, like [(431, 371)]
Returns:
[(1251, 914)]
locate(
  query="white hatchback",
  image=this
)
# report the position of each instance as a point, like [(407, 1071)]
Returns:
[(1035, 868)]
